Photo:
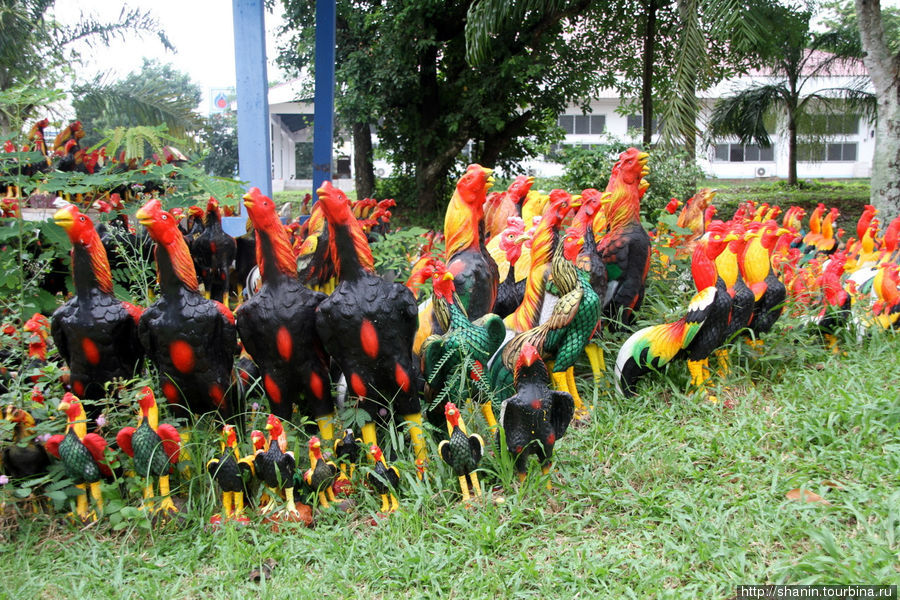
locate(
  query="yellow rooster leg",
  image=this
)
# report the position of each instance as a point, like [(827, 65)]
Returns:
[(270, 505), (225, 302), (476, 487), (699, 372), (343, 474), (238, 504), (580, 408), (724, 362), (323, 501), (394, 504), (464, 486), (185, 455), (598, 363), (522, 477), (832, 343), (227, 504), (81, 502), (206, 294), (756, 344), (329, 493), (385, 504), (166, 504), (488, 411), (415, 435), (545, 469), (148, 493), (326, 426), (240, 294), (97, 495), (290, 506), (559, 381), (368, 436)]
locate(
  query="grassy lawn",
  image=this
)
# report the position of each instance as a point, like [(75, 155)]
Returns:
[(661, 495)]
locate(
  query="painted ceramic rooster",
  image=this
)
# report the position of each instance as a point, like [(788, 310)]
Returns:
[(536, 417), (278, 326), (625, 247), (24, 456), (564, 335), (543, 245), (321, 474), (192, 341), (510, 292), (886, 285), (742, 298), (83, 456), (700, 331), (462, 452), (505, 205), (213, 252), (384, 479), (95, 332), (465, 254), (835, 313), (475, 341), (346, 452), (155, 448), (275, 466), (367, 325), (233, 473), (756, 269)]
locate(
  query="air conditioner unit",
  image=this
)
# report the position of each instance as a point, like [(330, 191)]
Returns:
[(762, 172)]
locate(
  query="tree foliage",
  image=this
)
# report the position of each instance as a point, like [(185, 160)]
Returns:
[(157, 94), (402, 67), (219, 138), (36, 50)]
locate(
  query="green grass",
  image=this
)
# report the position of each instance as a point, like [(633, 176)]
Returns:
[(662, 495)]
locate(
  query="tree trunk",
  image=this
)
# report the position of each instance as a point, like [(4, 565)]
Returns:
[(884, 70), (362, 161), (647, 83), (499, 141), (688, 15), (792, 149)]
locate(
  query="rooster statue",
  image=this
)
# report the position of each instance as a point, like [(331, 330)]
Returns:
[(462, 452), (475, 341), (95, 333), (192, 341), (321, 474), (384, 479), (625, 247), (535, 417), (155, 448), (278, 325), (83, 456), (233, 474), (275, 466), (24, 456), (367, 325), (213, 252), (697, 334)]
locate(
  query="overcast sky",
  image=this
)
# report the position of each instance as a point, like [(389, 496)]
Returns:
[(200, 30)]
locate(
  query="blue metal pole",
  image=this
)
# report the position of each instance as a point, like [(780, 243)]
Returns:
[(254, 145), (323, 124)]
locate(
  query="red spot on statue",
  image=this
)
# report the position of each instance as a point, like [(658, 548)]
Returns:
[(212, 247), (78, 387), (170, 392), (91, 353), (518, 449), (359, 388), (316, 385), (551, 438), (368, 337), (272, 389), (215, 392), (401, 377), (536, 404), (182, 356), (284, 343)]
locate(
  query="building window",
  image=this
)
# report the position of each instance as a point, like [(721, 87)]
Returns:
[(637, 122), (743, 153), (827, 152), (582, 124), (830, 124)]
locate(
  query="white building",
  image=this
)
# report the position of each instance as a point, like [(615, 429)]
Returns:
[(847, 151)]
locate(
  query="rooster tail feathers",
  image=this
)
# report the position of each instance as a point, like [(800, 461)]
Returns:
[(52, 444), (171, 441), (97, 447), (123, 439)]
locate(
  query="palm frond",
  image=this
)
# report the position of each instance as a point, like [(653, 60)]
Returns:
[(743, 115), (486, 18), (90, 30)]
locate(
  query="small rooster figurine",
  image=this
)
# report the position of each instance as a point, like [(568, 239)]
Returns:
[(346, 452), (192, 341), (233, 474), (462, 452), (367, 325), (24, 456), (321, 473), (155, 448), (275, 466), (536, 416), (213, 252), (83, 456), (384, 480), (278, 325), (95, 332)]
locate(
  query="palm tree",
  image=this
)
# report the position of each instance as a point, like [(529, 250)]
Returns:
[(795, 61)]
